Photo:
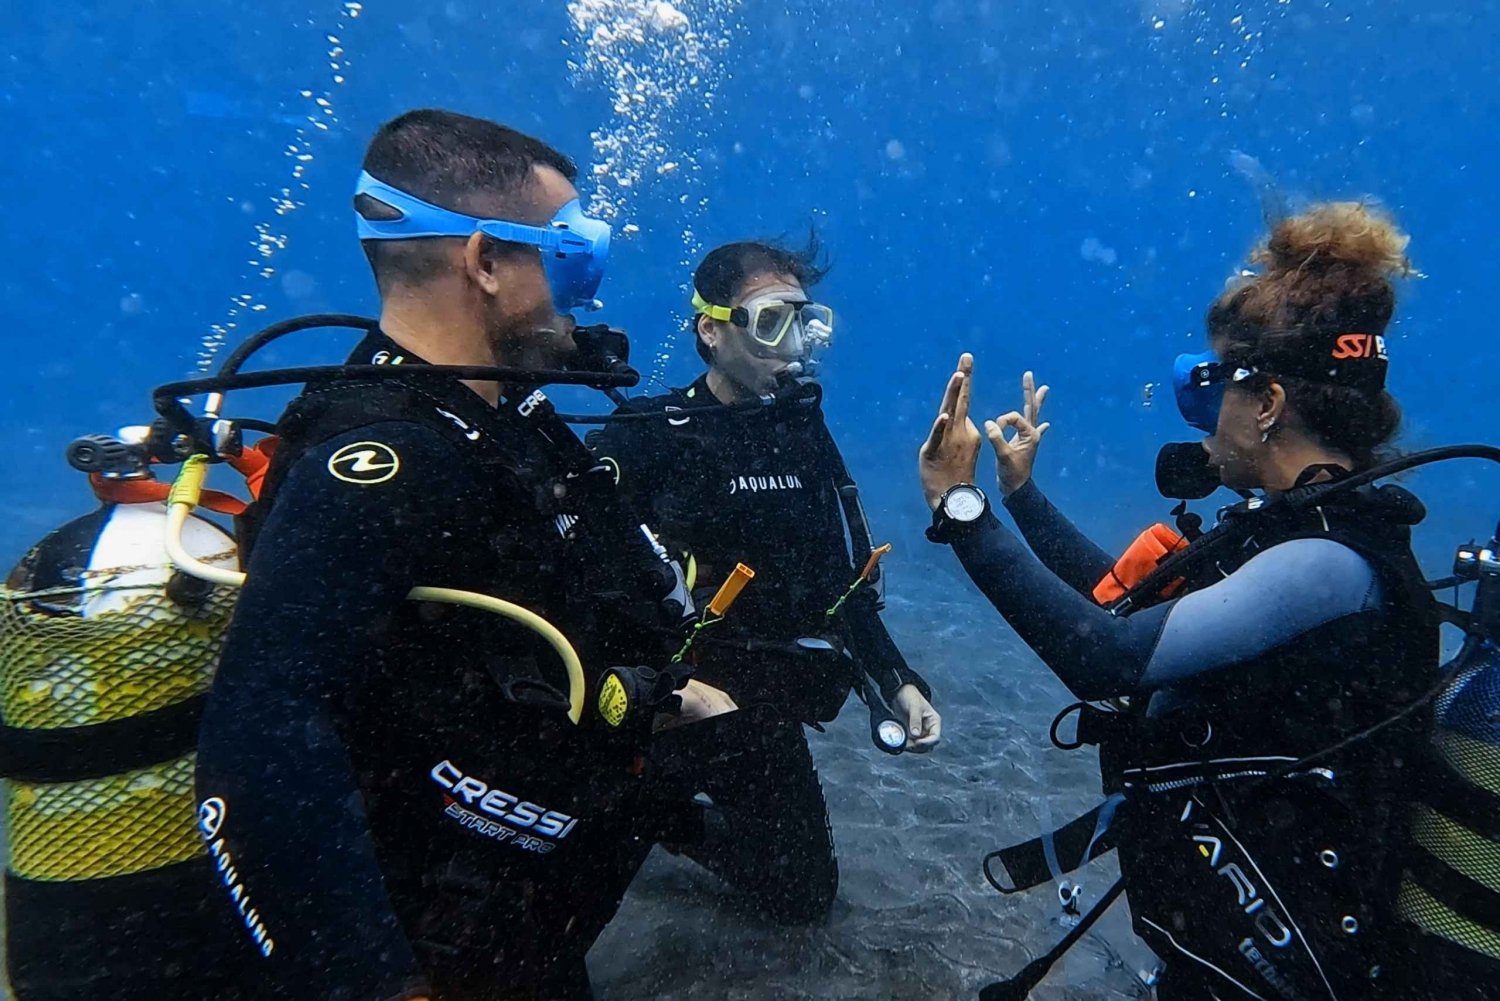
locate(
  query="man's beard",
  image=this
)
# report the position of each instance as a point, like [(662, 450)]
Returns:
[(535, 342)]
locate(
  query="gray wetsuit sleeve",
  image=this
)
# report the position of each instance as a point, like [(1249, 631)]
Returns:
[(1277, 596), (1057, 542), (1280, 594)]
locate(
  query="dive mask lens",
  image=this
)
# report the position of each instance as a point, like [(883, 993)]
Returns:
[(790, 329), (574, 249), (817, 327), (1198, 384), (575, 267)]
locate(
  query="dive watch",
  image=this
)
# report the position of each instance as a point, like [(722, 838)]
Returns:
[(960, 508)]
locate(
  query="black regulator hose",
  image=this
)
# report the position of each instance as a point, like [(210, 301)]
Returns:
[(1296, 499), (167, 398), (276, 331), (1019, 987)]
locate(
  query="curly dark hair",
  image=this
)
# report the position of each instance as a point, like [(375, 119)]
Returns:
[(1325, 271)]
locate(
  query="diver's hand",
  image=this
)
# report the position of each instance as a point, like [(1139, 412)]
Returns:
[(1016, 456), (951, 452), (923, 724), (699, 702)]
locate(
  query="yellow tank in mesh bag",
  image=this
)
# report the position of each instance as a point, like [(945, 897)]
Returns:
[(1466, 744), (112, 826), (61, 671)]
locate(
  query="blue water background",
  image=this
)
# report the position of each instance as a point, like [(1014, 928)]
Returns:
[(1046, 184)]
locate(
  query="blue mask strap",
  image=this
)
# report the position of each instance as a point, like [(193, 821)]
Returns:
[(423, 219)]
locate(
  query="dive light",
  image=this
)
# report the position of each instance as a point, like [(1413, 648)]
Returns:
[(887, 732)]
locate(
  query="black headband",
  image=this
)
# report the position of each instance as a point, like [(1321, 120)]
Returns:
[(1351, 359)]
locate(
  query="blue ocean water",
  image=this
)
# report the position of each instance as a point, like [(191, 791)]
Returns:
[(1048, 185), (1051, 185)]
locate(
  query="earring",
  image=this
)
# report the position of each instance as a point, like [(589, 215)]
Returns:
[(1265, 432)]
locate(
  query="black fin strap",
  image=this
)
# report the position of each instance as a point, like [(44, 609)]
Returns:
[(1074, 844)]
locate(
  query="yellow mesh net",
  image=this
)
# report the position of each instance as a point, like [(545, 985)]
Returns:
[(1437, 918), (112, 826), (61, 670), (64, 670)]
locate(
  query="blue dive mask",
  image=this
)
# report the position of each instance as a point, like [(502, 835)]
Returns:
[(1198, 383), (574, 246)]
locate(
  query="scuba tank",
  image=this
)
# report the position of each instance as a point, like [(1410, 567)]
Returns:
[(105, 654), (1450, 888)]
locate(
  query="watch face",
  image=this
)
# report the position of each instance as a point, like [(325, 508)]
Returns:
[(964, 504)]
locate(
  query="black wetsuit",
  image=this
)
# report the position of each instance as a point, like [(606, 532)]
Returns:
[(758, 487), (398, 804), (1310, 630)]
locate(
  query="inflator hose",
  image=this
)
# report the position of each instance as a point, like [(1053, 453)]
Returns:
[(187, 489)]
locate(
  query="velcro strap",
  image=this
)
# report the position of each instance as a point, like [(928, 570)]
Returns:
[(1449, 793), (1462, 895), (71, 754)]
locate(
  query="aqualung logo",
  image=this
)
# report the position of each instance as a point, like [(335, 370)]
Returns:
[(755, 484), (211, 815), (364, 463), (470, 432)]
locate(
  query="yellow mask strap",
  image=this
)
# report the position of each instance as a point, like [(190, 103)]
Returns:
[(702, 305)]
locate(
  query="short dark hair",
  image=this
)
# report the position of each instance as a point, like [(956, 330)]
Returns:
[(722, 273), (454, 161)]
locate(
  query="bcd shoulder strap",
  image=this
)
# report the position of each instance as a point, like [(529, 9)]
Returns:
[(327, 410)]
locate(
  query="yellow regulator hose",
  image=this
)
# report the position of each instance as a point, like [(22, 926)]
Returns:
[(188, 488)]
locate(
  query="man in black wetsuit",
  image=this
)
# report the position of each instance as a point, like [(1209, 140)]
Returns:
[(403, 797), (761, 483)]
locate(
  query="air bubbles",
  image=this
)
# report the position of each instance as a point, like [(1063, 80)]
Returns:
[(659, 62), (895, 149), (132, 304), (270, 239)]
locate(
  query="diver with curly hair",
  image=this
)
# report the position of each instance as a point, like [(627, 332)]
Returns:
[(1260, 835)]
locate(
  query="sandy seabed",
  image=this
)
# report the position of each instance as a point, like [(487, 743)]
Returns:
[(915, 918)]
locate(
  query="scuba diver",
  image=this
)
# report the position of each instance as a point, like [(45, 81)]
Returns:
[(401, 798), (1262, 694), (105, 655), (741, 465)]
